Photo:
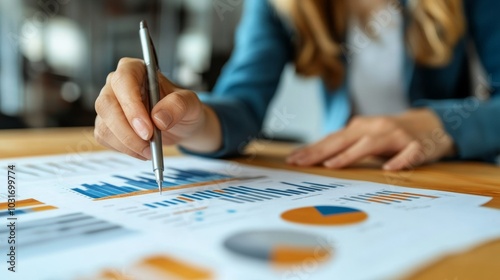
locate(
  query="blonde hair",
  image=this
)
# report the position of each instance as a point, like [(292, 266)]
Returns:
[(435, 26)]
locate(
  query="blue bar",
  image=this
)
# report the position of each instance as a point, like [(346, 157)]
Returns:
[(259, 192), (227, 199), (114, 188), (96, 191), (103, 190), (142, 185), (86, 193), (230, 196), (194, 172), (349, 199), (130, 189), (173, 203), (316, 188), (179, 181), (249, 194), (191, 197), (161, 204), (253, 199), (293, 185), (146, 179), (149, 205), (308, 189), (279, 191), (295, 192), (326, 186), (202, 195), (266, 191), (169, 184), (179, 200), (212, 194)]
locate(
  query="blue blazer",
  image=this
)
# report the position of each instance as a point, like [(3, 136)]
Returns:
[(264, 45)]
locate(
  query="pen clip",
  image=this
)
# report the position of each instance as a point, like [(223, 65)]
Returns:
[(154, 52)]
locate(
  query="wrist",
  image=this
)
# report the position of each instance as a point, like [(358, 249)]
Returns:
[(207, 137)]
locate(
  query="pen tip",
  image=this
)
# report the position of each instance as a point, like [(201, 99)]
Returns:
[(143, 24), (160, 189)]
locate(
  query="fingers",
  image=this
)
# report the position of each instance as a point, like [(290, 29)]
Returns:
[(324, 149), (113, 124), (106, 138), (371, 145), (413, 155), (364, 147), (127, 84)]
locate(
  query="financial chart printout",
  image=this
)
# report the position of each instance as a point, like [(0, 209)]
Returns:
[(100, 216)]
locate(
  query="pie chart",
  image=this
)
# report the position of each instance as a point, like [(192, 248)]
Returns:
[(324, 215), (279, 247)]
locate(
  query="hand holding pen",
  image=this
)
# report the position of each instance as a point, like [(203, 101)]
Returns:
[(125, 124)]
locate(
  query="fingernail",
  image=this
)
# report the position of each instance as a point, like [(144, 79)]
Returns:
[(387, 167), (163, 118), (331, 163), (140, 128), (147, 152), (295, 159)]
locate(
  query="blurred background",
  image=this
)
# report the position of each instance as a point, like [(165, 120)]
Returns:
[(55, 56)]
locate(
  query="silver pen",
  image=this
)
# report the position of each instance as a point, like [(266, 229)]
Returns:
[(152, 68)]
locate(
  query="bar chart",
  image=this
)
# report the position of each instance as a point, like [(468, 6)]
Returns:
[(388, 197), (145, 183), (70, 166), (245, 194), (156, 267), (64, 231), (24, 206)]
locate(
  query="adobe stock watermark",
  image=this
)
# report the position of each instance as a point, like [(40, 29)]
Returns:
[(47, 10), (223, 6)]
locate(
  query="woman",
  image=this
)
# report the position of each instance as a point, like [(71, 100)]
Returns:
[(414, 110)]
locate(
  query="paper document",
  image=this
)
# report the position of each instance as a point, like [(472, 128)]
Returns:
[(100, 216)]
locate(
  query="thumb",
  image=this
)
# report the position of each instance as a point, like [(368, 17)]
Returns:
[(177, 106)]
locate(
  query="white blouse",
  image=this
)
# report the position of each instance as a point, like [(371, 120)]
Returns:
[(375, 65)]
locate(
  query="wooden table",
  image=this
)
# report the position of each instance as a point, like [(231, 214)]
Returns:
[(482, 262)]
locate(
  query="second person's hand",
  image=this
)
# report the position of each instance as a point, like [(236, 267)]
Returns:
[(123, 122), (408, 140)]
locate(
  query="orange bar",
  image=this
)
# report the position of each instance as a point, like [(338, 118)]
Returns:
[(405, 197), (185, 199), (180, 270), (422, 195), (21, 203), (391, 197), (383, 199), (43, 208), (112, 274), (375, 200), (283, 255), (219, 191)]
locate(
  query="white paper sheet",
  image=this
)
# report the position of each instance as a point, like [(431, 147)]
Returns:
[(100, 213)]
